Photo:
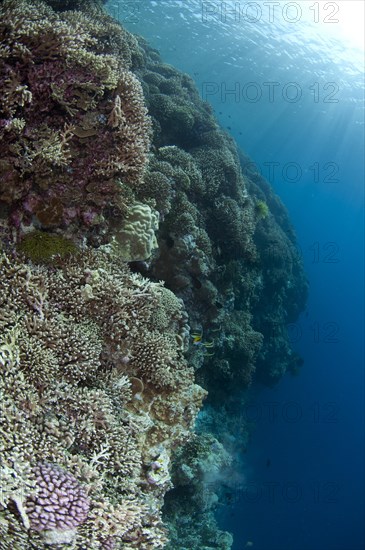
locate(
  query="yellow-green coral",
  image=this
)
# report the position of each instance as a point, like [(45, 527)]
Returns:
[(261, 209), (41, 247)]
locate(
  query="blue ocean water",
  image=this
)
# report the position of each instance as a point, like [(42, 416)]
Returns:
[(286, 79)]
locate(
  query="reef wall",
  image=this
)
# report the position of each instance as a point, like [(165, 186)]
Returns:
[(142, 266)]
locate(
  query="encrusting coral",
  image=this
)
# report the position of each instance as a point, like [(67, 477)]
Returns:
[(39, 246), (84, 456)]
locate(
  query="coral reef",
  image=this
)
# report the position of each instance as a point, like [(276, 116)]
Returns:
[(136, 237), (74, 131), (284, 287), (108, 156), (84, 456), (196, 471), (42, 247), (215, 226), (224, 239), (63, 5)]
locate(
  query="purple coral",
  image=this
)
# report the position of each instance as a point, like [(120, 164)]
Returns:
[(109, 543), (61, 503)]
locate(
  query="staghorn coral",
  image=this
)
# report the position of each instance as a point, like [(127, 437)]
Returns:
[(74, 130), (75, 338)]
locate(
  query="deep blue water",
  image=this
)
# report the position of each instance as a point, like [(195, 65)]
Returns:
[(307, 138)]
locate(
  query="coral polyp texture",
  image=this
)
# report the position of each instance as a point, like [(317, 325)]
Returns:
[(95, 393), (74, 130), (60, 505)]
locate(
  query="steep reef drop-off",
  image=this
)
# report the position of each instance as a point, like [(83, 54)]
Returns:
[(114, 176)]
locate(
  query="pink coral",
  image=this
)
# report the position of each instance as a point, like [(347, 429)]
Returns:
[(61, 503)]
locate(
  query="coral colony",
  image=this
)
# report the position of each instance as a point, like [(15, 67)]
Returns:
[(60, 505), (142, 268)]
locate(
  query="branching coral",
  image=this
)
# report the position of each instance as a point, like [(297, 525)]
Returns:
[(74, 131), (84, 456), (61, 504)]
